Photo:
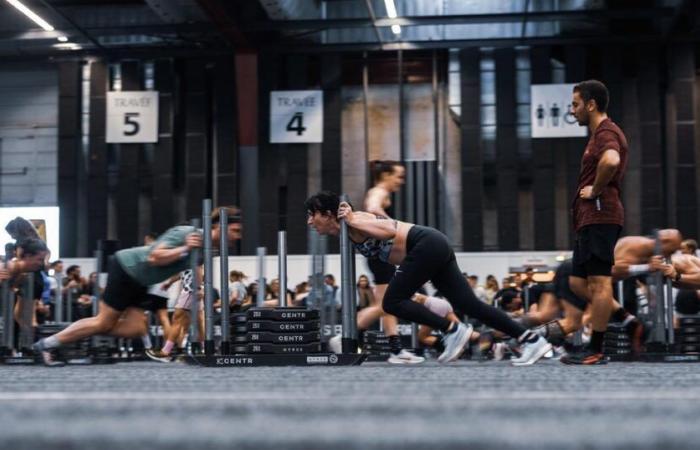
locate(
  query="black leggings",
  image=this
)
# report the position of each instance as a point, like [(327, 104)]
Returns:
[(429, 257)]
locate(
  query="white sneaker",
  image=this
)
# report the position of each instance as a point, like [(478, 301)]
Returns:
[(335, 344), (532, 352), (455, 343), (405, 357)]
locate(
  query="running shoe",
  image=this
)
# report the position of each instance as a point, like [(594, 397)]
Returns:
[(586, 357), (45, 356), (335, 344), (405, 357), (157, 355), (455, 343), (531, 352)]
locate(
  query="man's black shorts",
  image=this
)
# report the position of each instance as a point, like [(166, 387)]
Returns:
[(594, 250), (122, 291), (153, 303), (562, 288), (382, 272)]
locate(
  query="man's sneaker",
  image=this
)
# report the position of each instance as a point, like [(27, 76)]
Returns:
[(45, 356), (405, 357), (635, 330), (531, 352), (335, 344), (585, 356), (157, 355), (455, 342)]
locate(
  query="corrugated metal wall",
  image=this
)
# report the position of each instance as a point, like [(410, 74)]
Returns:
[(28, 134)]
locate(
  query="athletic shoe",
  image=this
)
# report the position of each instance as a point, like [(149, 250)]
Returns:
[(531, 352), (157, 355), (585, 357), (635, 330), (47, 357), (405, 357), (335, 344), (455, 342)]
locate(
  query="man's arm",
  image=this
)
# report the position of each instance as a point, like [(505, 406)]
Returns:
[(367, 223), (162, 255), (607, 166)]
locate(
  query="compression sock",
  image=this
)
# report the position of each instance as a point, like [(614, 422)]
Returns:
[(597, 341), (167, 347), (395, 344)]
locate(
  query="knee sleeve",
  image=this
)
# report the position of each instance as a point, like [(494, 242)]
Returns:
[(553, 332)]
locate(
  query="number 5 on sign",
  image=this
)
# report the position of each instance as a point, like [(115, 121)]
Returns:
[(296, 117), (132, 117)]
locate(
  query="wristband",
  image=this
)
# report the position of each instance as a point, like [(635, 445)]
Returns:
[(638, 269)]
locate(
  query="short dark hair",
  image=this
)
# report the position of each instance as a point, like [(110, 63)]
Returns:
[(33, 246), (594, 90), (379, 167), (473, 277), (323, 202), (233, 214), (72, 269), (152, 235)]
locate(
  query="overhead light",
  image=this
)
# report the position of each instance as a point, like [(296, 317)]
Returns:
[(31, 14), (62, 39), (68, 46), (391, 12)]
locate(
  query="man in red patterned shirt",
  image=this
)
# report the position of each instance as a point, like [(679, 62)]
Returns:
[(598, 214)]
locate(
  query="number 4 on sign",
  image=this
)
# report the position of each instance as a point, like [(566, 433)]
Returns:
[(296, 123)]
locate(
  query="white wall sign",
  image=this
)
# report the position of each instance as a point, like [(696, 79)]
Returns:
[(132, 117), (296, 117), (550, 112)]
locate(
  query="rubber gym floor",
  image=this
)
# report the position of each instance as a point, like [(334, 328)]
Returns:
[(466, 405)]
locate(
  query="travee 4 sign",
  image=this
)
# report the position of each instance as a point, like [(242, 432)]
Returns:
[(132, 117), (296, 117)]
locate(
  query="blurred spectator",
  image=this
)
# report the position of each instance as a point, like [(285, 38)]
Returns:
[(528, 279), (274, 294), (479, 291), (236, 288), (300, 293), (491, 289), (365, 292), (689, 247)]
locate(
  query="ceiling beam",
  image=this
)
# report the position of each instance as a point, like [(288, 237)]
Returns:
[(464, 19), (307, 47)]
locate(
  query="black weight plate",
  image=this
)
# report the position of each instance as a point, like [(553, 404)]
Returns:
[(278, 349), (284, 338), (239, 318), (617, 344), (376, 348), (377, 340), (616, 336), (690, 348), (688, 331), (692, 320), (283, 314), (239, 329), (689, 339), (283, 327), (615, 328), (616, 351)]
